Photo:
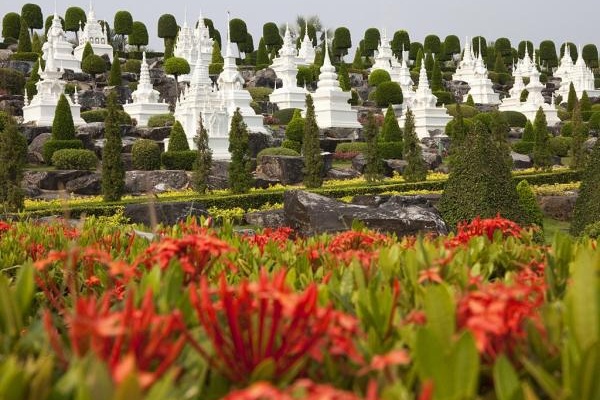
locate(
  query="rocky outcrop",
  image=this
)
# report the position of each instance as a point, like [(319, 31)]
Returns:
[(266, 219), (35, 149), (342, 173), (53, 180), (263, 78), (219, 175), (257, 142), (31, 131), (12, 104), (90, 99), (153, 181), (88, 185), (311, 214), (558, 207), (286, 170), (157, 134), (163, 213), (521, 161)]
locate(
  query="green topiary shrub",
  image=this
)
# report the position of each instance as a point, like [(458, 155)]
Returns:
[(75, 159), (177, 139), (594, 122), (294, 130), (527, 200), (467, 111), (388, 93), (25, 56), (215, 69), (444, 98), (390, 150), (276, 151), (523, 147), (390, 131), (132, 66), (11, 81), (592, 231), (560, 145), (284, 116), (587, 205), (305, 76), (178, 160), (378, 77), (53, 145), (157, 121), (5, 118), (99, 115), (145, 155), (293, 145), (260, 93), (515, 119), (352, 147)]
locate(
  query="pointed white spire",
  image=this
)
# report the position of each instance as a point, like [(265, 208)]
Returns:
[(327, 60)]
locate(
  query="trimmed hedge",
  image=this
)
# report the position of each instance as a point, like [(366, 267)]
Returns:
[(352, 147), (379, 76), (292, 145), (284, 116), (466, 110), (52, 146), (12, 81), (145, 155), (157, 121), (75, 159), (388, 93), (25, 56), (560, 145), (276, 151), (523, 147), (132, 66), (444, 97), (260, 93), (567, 129), (179, 160), (100, 115), (390, 150), (515, 118)]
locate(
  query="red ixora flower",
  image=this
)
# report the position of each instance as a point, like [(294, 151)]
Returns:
[(279, 236), (304, 389), (4, 227), (484, 227), (351, 245), (132, 339)]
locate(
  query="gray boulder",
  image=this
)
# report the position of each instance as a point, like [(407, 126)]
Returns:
[(92, 130), (433, 160), (163, 213), (32, 131), (257, 142), (342, 173), (35, 149), (263, 78), (86, 185), (90, 99), (266, 219), (284, 169), (159, 133), (149, 181), (521, 161), (53, 180), (219, 175)]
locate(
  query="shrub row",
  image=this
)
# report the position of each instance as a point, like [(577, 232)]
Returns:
[(179, 160), (100, 115), (75, 159)]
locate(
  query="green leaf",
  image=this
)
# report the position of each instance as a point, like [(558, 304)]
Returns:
[(129, 389), (10, 323), (24, 289), (544, 379), (263, 371), (439, 307), (506, 381), (588, 384), (465, 367), (431, 361), (583, 307)]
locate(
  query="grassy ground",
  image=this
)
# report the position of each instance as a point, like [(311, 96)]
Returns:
[(553, 226)]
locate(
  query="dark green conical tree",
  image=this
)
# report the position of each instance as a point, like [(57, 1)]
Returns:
[(87, 51), (419, 60), (572, 99), (579, 152), (114, 79), (262, 56), (34, 78), (499, 66), (585, 106), (24, 45), (294, 132), (542, 157), (374, 167), (63, 127), (391, 131), (480, 182), (470, 101), (528, 135), (344, 78), (311, 148), (429, 61), (203, 162), (528, 202), (416, 170), (240, 175), (436, 78), (36, 44), (113, 171), (587, 205), (357, 63), (177, 139), (13, 157)]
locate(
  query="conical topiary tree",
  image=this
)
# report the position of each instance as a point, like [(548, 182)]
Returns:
[(113, 172), (34, 78), (114, 78), (416, 170), (470, 101), (177, 138), (344, 78), (13, 156), (262, 56), (579, 153), (63, 127), (240, 175), (391, 131), (528, 135), (87, 51), (542, 157), (587, 205), (374, 167), (531, 209), (24, 45), (436, 78), (311, 149), (203, 162), (357, 62), (585, 106), (294, 132), (572, 98)]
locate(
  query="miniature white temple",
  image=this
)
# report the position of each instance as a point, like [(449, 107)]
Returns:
[(94, 33), (535, 100), (481, 87), (428, 116), (216, 105), (385, 59), (406, 82), (524, 66), (62, 50), (579, 74), (513, 102), (145, 99), (50, 87), (465, 72), (289, 95), (193, 42), (307, 50), (565, 65), (332, 109)]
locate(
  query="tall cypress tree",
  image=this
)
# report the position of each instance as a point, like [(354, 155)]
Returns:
[(374, 167), (572, 99), (436, 78), (357, 63), (13, 155), (587, 206), (262, 55), (114, 79), (24, 45), (63, 127), (542, 158), (203, 162), (579, 153), (344, 78), (416, 170), (391, 130), (113, 172), (87, 51), (311, 148), (240, 175)]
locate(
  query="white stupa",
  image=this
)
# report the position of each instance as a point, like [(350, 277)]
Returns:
[(524, 66), (307, 51), (94, 33), (385, 59), (465, 72), (193, 42), (565, 65), (332, 109), (50, 87), (406, 82), (289, 95), (62, 50), (535, 100), (145, 99), (428, 116), (513, 102), (481, 87), (580, 75)]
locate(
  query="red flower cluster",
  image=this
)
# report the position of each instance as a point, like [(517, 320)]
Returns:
[(352, 245), (4, 227), (484, 227), (279, 236), (496, 313), (134, 339), (303, 389)]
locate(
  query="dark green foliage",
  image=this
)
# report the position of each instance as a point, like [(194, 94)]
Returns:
[(34, 77), (467, 111), (31, 56), (342, 41), (93, 65), (284, 116), (123, 23), (62, 125), (567, 129), (169, 47), (311, 150), (5, 119), (344, 78), (217, 57), (240, 174), (238, 30), (452, 45), (431, 44), (458, 127), (52, 146), (515, 119), (292, 145), (390, 150), (11, 25), (547, 54), (579, 153), (139, 35), (531, 210), (24, 38), (442, 55), (271, 35), (177, 139), (560, 145), (276, 151), (444, 98), (391, 131), (371, 41), (161, 120), (262, 56), (374, 163), (75, 159), (416, 170), (503, 47), (470, 101), (415, 49), (587, 206), (401, 41), (133, 66), (203, 162), (523, 147), (594, 122), (436, 78), (585, 106), (592, 231), (525, 44), (351, 147), (590, 55), (388, 93), (499, 66), (36, 44), (145, 155), (528, 133), (87, 51), (476, 42), (177, 66), (167, 27), (354, 98), (247, 46), (572, 99), (480, 182), (573, 51), (114, 79), (13, 156), (294, 130), (32, 14), (541, 151), (429, 61), (379, 76), (100, 115), (73, 16), (358, 63), (113, 172), (178, 160), (524, 95)]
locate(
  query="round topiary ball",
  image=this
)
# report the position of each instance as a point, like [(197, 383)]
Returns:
[(388, 93), (378, 77), (145, 155)]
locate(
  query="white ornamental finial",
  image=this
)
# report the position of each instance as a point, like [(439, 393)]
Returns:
[(327, 60), (26, 98)]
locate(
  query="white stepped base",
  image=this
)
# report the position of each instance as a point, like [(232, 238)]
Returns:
[(43, 114), (142, 112), (289, 98), (428, 119)]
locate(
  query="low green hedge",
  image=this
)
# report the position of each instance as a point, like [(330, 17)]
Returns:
[(52, 146), (276, 151), (75, 159), (145, 155), (560, 145), (157, 121), (352, 147), (25, 56), (523, 147), (178, 160), (100, 114), (515, 119)]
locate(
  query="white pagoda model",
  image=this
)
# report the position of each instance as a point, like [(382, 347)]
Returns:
[(565, 65), (50, 87), (193, 43), (289, 95), (62, 50), (145, 99), (307, 51), (465, 72), (406, 82), (93, 33), (332, 109), (579, 74), (525, 66), (481, 87), (535, 100), (513, 102), (428, 116), (385, 59), (216, 106)]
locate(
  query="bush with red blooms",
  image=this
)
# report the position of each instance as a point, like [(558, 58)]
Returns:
[(279, 236), (484, 227)]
